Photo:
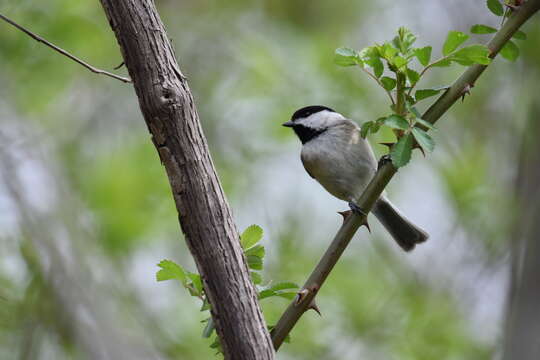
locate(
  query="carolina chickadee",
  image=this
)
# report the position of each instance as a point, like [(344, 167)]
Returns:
[(334, 154)]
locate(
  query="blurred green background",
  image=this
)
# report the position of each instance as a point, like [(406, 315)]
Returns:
[(86, 212)]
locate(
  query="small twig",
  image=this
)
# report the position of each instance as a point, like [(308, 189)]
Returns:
[(119, 66), (429, 66), (64, 52), (378, 82), (385, 173)]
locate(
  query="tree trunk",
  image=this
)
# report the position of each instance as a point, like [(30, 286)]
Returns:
[(523, 315), (204, 214)]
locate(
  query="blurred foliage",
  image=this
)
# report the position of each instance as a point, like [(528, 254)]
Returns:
[(250, 65), (124, 219)]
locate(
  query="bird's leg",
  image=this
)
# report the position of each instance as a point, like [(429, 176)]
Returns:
[(383, 160)]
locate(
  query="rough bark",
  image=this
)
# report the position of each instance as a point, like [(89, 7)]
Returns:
[(204, 214), (523, 315)]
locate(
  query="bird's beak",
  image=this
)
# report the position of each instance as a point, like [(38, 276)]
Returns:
[(288, 124)]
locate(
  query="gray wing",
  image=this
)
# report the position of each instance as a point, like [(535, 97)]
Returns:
[(306, 167), (366, 153)]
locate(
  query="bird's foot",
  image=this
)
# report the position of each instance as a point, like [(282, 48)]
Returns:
[(357, 209), (383, 160)]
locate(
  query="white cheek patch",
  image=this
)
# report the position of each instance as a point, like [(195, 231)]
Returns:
[(320, 120)]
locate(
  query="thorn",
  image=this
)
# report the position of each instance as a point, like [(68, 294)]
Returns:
[(345, 214), (389, 144), (416, 146), (119, 66), (300, 296), (466, 91), (313, 306), (365, 223), (514, 7)]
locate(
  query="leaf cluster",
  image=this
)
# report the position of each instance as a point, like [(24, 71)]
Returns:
[(394, 66), (510, 50), (254, 253)]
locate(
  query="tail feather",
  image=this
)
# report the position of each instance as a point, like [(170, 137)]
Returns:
[(406, 234)]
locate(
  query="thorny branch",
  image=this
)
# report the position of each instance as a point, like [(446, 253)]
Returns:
[(385, 173)]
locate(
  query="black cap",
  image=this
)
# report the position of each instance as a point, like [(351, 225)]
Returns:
[(309, 110)]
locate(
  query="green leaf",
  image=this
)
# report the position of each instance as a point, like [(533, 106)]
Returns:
[(378, 67), (401, 151), (284, 285), (409, 100), (365, 128), (453, 40), (519, 35), (388, 51), (380, 120), (423, 139), (346, 57), (496, 7), (255, 262), (216, 345), (196, 281), (388, 83), (285, 289), (369, 53), (442, 63), (425, 123), (423, 55), (257, 250), (289, 295), (510, 51), (266, 294), (396, 122), (422, 94), (478, 54), (256, 278), (209, 328), (413, 76), (252, 235), (374, 128), (171, 270), (206, 305), (482, 29), (399, 61), (372, 58), (404, 40)]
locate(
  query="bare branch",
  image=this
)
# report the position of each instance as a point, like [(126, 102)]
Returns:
[(64, 52), (385, 174)]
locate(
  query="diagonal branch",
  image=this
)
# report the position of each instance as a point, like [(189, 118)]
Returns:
[(64, 52), (385, 173)]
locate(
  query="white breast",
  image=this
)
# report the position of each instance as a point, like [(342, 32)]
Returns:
[(340, 160)]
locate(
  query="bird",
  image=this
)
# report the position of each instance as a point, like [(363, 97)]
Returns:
[(336, 156)]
